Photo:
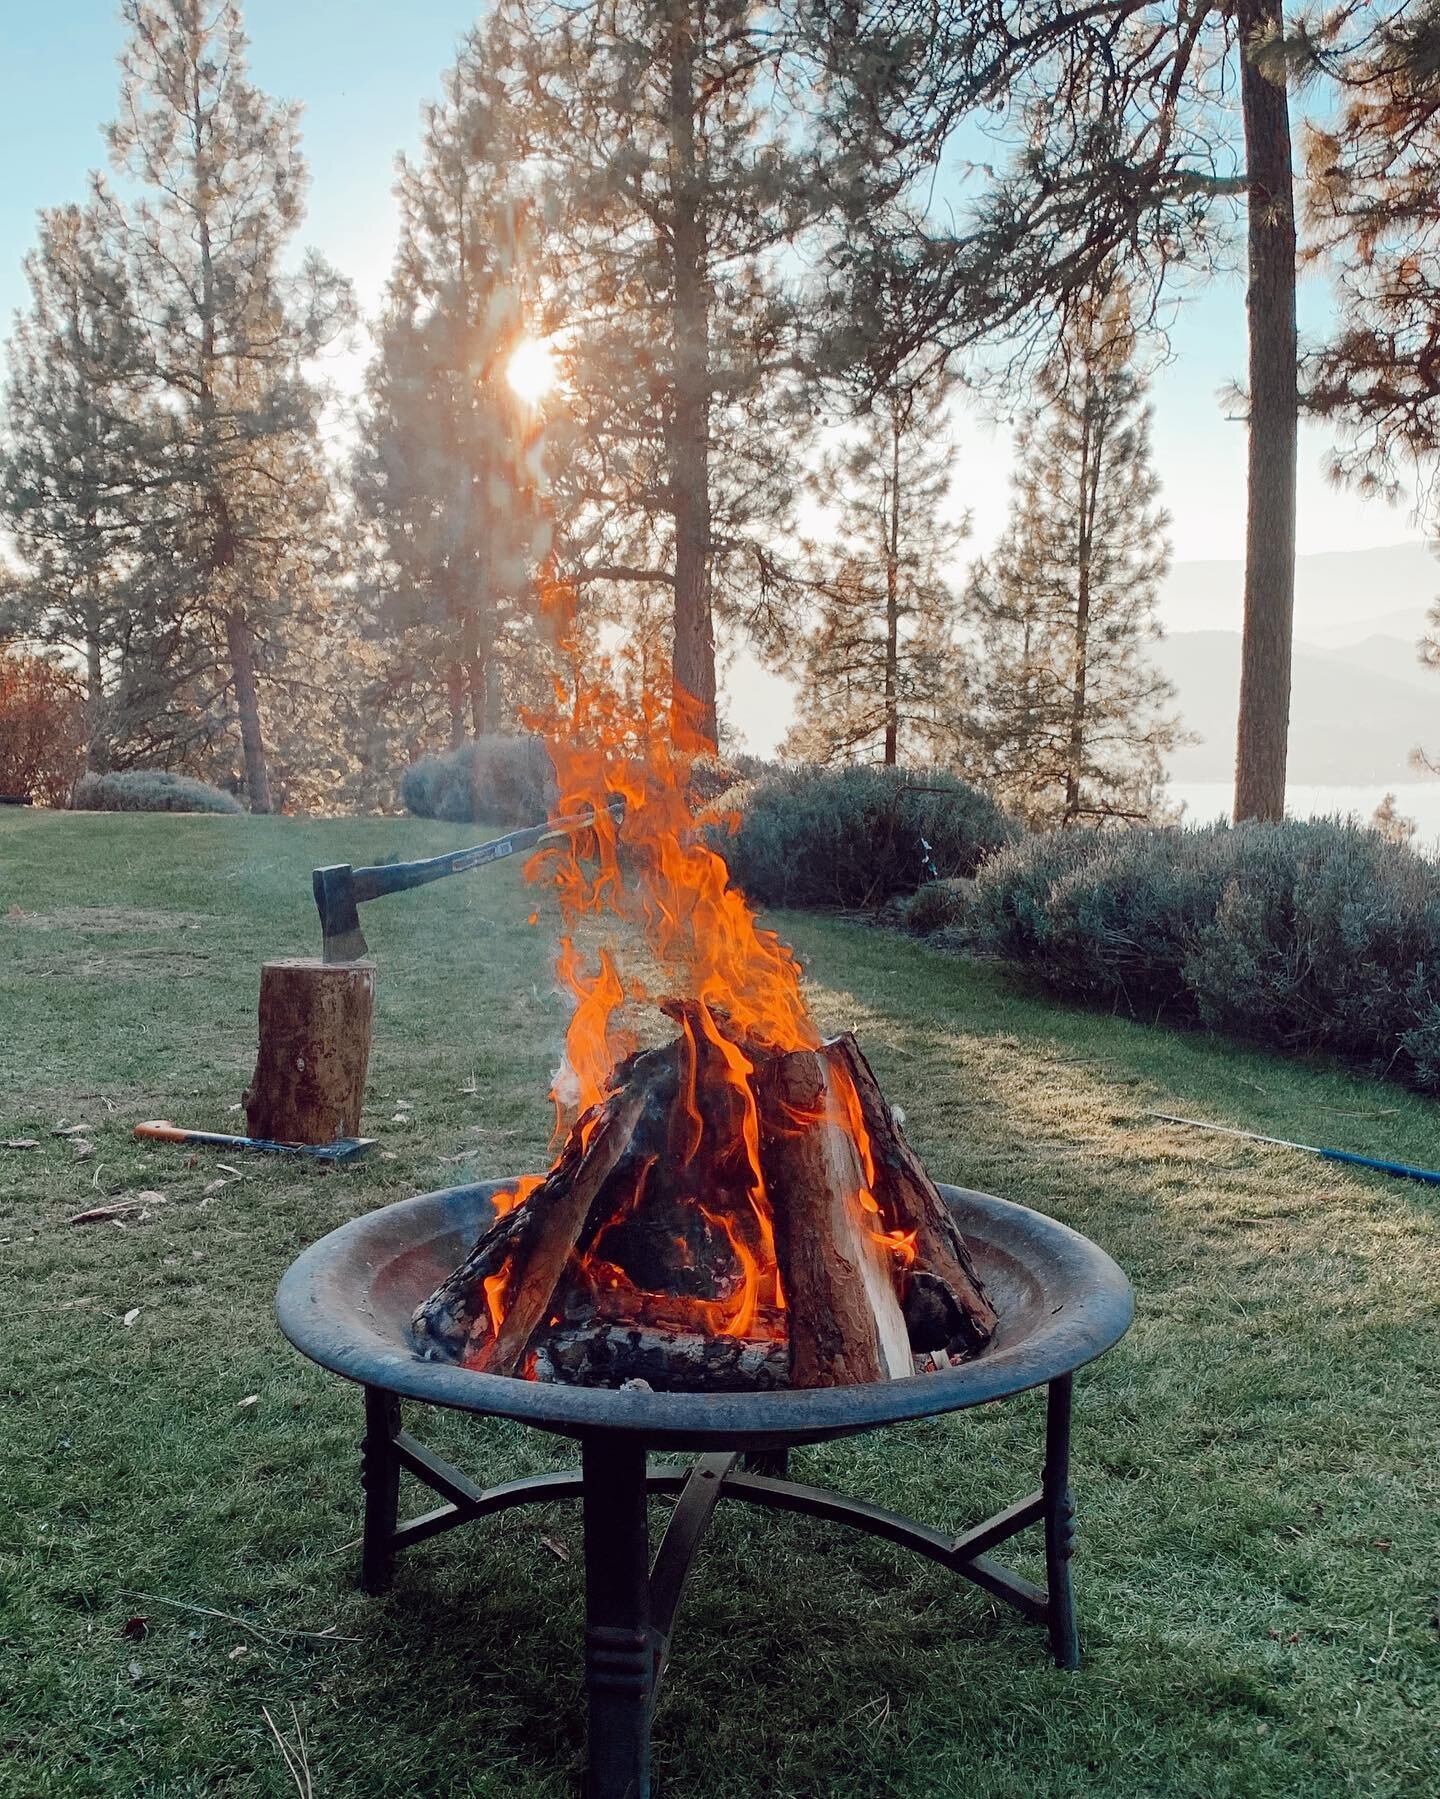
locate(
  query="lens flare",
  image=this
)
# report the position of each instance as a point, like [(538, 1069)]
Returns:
[(531, 370)]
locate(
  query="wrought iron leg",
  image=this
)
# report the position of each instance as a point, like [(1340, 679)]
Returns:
[(619, 1646), (380, 1477), (1059, 1527)]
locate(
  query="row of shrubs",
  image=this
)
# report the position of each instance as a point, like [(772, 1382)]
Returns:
[(501, 779), (150, 790), (1315, 936), (859, 837), (802, 836)]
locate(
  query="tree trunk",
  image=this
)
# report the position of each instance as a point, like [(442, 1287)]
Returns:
[(309, 1079), (693, 720), (97, 754), (1090, 454), (455, 695), (474, 666), (240, 640), (892, 599), (1274, 414)]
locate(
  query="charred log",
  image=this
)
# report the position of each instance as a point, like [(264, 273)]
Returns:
[(845, 1319), (910, 1201)]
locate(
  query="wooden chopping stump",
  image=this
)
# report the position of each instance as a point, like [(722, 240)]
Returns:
[(315, 1024)]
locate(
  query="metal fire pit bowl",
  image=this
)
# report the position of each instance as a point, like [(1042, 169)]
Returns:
[(347, 1301)]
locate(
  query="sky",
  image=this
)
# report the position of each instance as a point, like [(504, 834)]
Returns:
[(364, 68)]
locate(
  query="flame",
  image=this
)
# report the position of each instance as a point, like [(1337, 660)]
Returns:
[(726, 979)]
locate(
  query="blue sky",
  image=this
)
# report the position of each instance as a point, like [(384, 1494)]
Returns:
[(363, 69)]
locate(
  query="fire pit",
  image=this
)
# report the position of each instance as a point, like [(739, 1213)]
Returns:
[(347, 1303)]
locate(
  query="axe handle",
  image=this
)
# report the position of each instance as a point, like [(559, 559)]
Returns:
[(396, 877)]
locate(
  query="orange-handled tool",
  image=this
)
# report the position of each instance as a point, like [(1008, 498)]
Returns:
[(160, 1130)]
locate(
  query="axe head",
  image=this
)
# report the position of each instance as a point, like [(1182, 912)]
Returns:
[(341, 938)]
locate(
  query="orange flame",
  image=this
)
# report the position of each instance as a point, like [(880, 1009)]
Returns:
[(657, 876)]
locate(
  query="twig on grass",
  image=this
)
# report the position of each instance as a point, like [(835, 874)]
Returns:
[(260, 1630), (297, 1760)]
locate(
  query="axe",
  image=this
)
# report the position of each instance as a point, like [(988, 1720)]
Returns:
[(340, 891)]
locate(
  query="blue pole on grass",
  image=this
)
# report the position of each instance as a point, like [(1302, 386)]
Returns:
[(1402, 1169)]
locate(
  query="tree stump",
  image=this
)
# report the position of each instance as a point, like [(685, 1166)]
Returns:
[(309, 1079)]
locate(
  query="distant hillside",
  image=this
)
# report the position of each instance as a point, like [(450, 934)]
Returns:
[(1355, 714), (1346, 595)]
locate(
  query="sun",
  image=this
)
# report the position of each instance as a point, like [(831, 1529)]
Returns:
[(531, 370)]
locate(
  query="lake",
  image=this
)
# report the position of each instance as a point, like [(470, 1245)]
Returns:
[(1205, 801)]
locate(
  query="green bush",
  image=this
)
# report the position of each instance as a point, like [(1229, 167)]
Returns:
[(500, 779), (1317, 936), (150, 790), (939, 905), (858, 836)]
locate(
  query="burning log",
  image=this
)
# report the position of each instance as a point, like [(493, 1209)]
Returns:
[(730, 1216), (487, 1309), (621, 1341), (945, 1305), (845, 1319)]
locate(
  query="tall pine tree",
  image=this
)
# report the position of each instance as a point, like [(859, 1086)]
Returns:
[(876, 671), (68, 472), (237, 538), (1069, 720), (446, 472), (1134, 125), (664, 135)]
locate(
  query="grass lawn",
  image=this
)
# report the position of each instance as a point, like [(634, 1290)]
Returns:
[(1255, 1464)]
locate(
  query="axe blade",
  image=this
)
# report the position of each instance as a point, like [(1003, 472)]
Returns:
[(341, 938)]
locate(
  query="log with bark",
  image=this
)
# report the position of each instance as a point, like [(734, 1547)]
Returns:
[(314, 1050)]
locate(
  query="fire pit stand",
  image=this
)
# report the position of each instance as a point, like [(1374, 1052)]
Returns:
[(346, 1303)]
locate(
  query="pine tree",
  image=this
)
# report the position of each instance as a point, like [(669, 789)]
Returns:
[(877, 670), (1069, 720), (237, 539), (446, 469), (664, 136), (67, 467), (1130, 147)]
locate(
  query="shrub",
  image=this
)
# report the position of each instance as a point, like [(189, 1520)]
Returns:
[(150, 790), (1317, 936), (42, 733), (499, 779), (858, 836), (939, 905)]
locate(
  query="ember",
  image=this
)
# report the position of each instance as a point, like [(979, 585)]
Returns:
[(736, 1207)]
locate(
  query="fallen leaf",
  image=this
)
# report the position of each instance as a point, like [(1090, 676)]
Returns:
[(135, 1628), (228, 1168), (81, 1148), (147, 1196), (137, 1673), (14, 912), (105, 1214), (215, 1186), (69, 1130), (559, 1550), (131, 1316), (1380, 1543), (239, 1652), (249, 1399), (389, 1155), (22, 1143)]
